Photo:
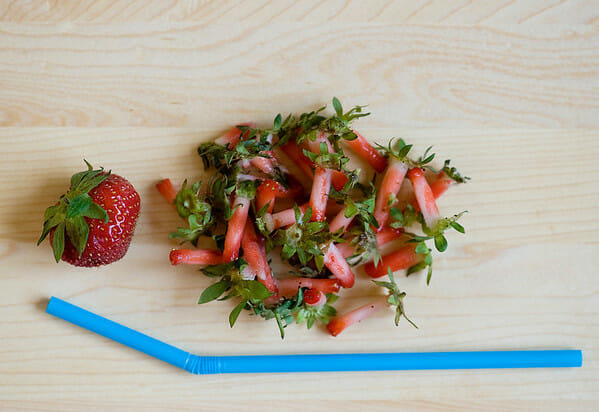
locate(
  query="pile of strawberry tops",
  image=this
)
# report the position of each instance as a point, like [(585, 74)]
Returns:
[(288, 193)]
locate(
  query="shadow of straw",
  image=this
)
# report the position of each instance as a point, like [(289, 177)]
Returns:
[(41, 304)]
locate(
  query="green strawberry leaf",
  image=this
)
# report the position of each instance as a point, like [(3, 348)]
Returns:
[(78, 232), (235, 313), (440, 243), (257, 291), (457, 227), (337, 106), (351, 210), (91, 180), (416, 268), (277, 122), (58, 241), (247, 188), (52, 210), (77, 177), (78, 205), (453, 173), (53, 216), (214, 291), (95, 211), (422, 249)]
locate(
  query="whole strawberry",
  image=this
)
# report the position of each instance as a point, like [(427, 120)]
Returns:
[(93, 223)]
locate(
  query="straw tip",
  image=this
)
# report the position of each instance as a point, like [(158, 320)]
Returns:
[(51, 303), (578, 358)]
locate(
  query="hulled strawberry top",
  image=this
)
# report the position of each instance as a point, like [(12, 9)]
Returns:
[(323, 222)]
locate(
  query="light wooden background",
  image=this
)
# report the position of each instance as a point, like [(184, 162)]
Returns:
[(507, 89)]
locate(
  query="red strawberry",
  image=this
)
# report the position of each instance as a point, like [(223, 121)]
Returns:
[(289, 286), (403, 258), (93, 223), (340, 323)]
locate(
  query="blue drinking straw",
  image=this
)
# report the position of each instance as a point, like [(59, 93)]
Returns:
[(310, 363)]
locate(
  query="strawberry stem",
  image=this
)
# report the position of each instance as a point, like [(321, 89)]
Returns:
[(340, 323), (392, 180), (403, 258), (283, 218), (233, 135), (340, 221), (235, 228), (265, 196), (384, 236), (320, 193), (254, 253), (336, 263), (167, 190), (295, 153), (289, 286), (338, 180), (195, 257), (365, 150), (438, 187), (424, 196)]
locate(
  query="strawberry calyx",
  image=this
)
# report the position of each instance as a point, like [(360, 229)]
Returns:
[(399, 149), (67, 216), (304, 239), (326, 157), (316, 307), (452, 173), (192, 206), (395, 297), (439, 239)]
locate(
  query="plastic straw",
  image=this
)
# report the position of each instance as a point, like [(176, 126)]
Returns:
[(310, 363)]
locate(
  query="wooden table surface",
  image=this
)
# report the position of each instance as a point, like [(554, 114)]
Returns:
[(508, 89)]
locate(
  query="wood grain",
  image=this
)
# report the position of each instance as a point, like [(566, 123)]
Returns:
[(507, 89), (380, 11), (523, 277), (189, 74), (514, 198), (317, 406)]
